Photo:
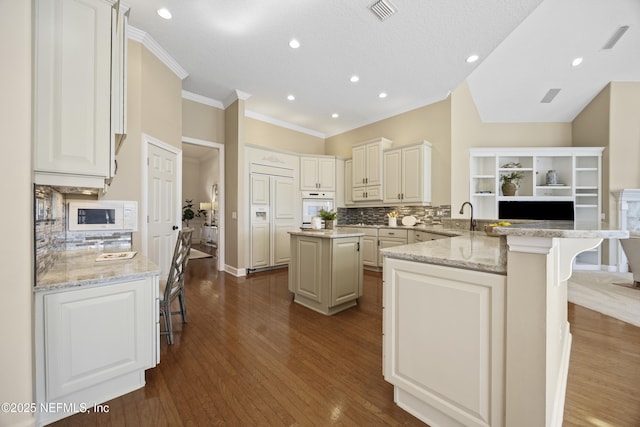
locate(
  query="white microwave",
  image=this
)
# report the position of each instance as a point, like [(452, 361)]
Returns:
[(102, 215)]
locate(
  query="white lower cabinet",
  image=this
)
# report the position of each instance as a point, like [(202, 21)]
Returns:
[(370, 247), (417, 236), (444, 342), (389, 238), (94, 343)]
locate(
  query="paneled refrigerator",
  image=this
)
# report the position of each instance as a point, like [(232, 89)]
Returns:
[(272, 217)]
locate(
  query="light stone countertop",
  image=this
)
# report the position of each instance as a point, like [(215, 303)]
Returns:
[(565, 229), (471, 250), (335, 233), (77, 268), (478, 251)]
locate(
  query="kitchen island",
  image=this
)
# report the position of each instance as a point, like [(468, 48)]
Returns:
[(325, 272), (475, 327), (96, 331)]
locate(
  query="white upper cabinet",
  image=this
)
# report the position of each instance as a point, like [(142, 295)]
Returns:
[(367, 162), (73, 137), (318, 173), (348, 172), (407, 174), (367, 172)]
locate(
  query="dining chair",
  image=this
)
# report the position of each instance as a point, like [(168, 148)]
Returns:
[(173, 286)]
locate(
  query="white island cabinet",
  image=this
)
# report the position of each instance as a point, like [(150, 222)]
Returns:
[(325, 273), (475, 328), (94, 338)]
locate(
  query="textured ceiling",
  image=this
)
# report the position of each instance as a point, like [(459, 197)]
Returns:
[(416, 56)]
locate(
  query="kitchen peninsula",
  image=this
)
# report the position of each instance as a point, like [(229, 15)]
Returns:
[(325, 273), (96, 330), (475, 327)]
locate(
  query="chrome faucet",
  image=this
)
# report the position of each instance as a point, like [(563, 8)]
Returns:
[(472, 222)]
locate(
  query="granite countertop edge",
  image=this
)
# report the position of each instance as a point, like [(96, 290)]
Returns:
[(327, 234), (75, 269)]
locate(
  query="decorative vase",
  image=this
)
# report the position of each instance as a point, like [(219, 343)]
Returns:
[(393, 222), (329, 223), (509, 189)]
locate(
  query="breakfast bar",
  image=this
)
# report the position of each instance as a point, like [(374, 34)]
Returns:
[(475, 327)]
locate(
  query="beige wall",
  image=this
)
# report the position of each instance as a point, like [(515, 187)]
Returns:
[(610, 120), (154, 107), (431, 123), (202, 121), (467, 131), (236, 231), (268, 135), (591, 128), (624, 137), (16, 356)]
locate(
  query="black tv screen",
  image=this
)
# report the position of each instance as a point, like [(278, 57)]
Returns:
[(536, 210)]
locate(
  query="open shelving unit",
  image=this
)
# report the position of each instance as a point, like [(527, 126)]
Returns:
[(579, 180)]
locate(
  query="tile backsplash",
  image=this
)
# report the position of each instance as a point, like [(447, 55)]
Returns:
[(378, 215), (51, 237)]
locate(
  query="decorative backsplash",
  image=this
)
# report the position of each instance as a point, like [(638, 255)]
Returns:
[(50, 233), (378, 215)]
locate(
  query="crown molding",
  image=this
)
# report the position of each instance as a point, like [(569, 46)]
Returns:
[(235, 96), (202, 99), (147, 41), (283, 124)]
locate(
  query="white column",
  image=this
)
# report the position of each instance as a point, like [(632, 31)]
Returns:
[(538, 341)]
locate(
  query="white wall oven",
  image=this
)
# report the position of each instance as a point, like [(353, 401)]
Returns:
[(313, 202), (102, 215)]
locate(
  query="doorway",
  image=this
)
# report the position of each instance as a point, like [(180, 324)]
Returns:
[(203, 184)]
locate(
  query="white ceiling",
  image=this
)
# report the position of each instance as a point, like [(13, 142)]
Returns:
[(416, 56)]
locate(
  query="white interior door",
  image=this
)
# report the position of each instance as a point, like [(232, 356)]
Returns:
[(162, 224)]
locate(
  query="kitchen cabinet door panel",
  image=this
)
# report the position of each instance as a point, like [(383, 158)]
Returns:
[(93, 335), (260, 189), (345, 277), (72, 119), (260, 245)]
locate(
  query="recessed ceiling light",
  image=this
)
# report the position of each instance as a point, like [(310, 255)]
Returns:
[(335, 115), (576, 62), (382, 95), (472, 58), (354, 78), (291, 97), (294, 44), (164, 13)]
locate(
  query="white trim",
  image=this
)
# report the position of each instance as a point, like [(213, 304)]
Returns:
[(147, 41), (234, 96), (202, 99), (257, 116), (422, 103), (238, 272), (531, 245), (144, 228), (221, 193)]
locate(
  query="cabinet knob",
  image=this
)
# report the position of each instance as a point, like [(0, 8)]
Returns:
[(175, 227)]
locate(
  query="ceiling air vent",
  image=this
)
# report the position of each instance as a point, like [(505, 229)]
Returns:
[(549, 96), (616, 37), (383, 9)]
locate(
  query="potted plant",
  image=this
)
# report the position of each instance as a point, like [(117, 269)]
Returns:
[(328, 217), (188, 212), (510, 183)]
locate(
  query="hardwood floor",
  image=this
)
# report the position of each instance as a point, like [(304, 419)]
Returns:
[(250, 356)]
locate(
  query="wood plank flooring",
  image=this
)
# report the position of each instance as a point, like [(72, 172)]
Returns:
[(250, 356)]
